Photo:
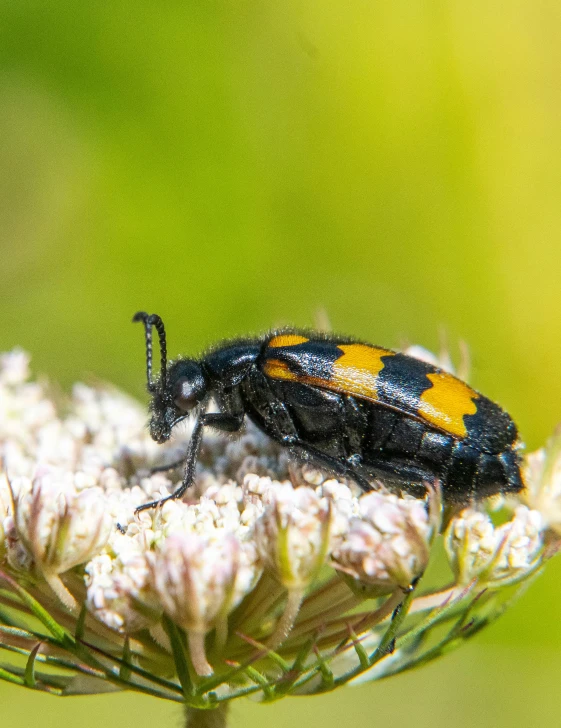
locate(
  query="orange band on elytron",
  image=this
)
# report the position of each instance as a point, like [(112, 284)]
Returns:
[(287, 340), (447, 402), (279, 370), (357, 370)]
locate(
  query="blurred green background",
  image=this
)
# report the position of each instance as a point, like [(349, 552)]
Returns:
[(235, 164)]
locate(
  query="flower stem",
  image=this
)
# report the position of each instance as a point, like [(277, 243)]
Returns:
[(216, 718), (198, 653), (287, 619), (55, 582)]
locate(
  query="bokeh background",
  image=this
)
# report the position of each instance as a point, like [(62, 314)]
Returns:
[(236, 164)]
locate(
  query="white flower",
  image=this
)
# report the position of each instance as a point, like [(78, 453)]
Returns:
[(117, 580), (14, 368), (60, 526), (294, 534), (387, 544), (199, 580), (24, 408), (243, 574), (542, 475), (495, 555)]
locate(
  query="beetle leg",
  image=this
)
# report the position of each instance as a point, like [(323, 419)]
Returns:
[(224, 422), (307, 452), (217, 420), (169, 466)]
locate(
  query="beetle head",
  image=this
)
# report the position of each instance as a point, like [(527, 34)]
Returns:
[(179, 388)]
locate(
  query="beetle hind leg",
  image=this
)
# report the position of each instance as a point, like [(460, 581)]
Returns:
[(338, 467)]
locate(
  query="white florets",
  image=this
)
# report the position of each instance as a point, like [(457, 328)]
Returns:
[(495, 554), (387, 543), (71, 477)]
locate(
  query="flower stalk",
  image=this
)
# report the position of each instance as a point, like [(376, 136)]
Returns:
[(196, 718)]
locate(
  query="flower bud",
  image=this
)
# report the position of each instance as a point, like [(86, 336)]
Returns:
[(61, 527), (494, 555), (542, 475), (294, 533), (387, 545), (199, 579)]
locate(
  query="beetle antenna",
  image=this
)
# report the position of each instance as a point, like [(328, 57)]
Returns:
[(150, 320)]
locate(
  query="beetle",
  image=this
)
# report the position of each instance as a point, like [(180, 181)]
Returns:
[(360, 411)]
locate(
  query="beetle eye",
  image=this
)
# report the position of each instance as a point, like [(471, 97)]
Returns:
[(186, 394)]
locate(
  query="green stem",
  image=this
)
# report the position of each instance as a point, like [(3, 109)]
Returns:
[(214, 718)]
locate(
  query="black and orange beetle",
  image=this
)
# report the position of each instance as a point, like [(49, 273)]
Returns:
[(360, 411)]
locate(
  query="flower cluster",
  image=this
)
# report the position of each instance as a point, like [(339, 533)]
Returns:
[(251, 584)]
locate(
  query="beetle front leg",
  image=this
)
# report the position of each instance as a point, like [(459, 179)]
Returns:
[(224, 422)]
